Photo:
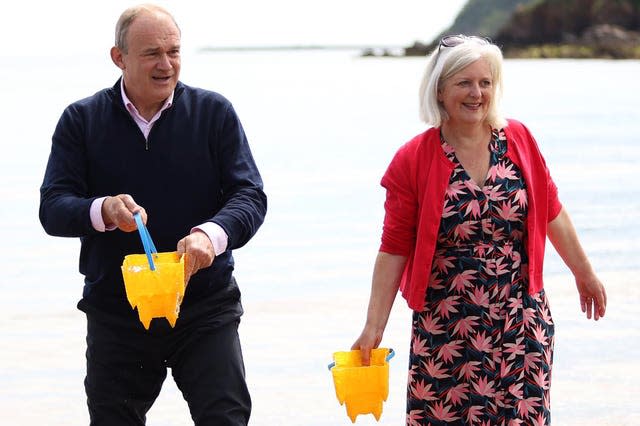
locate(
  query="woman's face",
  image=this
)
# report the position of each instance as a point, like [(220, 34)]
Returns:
[(467, 95)]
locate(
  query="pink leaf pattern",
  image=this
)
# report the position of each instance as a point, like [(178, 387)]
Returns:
[(465, 230), (455, 189), (481, 342), (473, 209), (474, 413), (479, 297), (434, 369), (463, 280), (448, 351), (443, 264), (528, 405), (531, 360), (465, 325), (541, 380), (468, 370), (516, 390), (471, 186), (430, 324), (528, 316), (482, 346), (457, 394), (505, 172), (419, 347), (484, 387), (514, 349), (447, 306), (540, 334), (493, 193), (423, 391), (449, 210), (442, 412), (414, 417), (507, 211), (521, 198)]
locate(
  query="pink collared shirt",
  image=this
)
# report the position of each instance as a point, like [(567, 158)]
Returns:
[(144, 125), (216, 234)]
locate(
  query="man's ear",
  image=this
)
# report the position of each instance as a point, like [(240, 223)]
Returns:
[(116, 57)]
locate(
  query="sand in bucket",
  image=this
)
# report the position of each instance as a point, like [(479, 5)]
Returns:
[(361, 388)]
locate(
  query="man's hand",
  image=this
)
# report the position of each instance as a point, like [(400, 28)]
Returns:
[(118, 211), (198, 251)]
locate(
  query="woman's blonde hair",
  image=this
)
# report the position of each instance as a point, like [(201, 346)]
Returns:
[(453, 54)]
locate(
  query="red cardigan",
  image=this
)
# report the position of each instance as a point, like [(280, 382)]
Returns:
[(416, 181)]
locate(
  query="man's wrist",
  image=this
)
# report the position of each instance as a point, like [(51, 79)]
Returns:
[(95, 214), (216, 234)]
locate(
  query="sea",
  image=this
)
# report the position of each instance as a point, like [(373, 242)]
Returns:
[(323, 126)]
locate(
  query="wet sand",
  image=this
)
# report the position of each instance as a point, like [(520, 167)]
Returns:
[(288, 345)]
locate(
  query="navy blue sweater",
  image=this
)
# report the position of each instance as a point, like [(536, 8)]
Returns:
[(196, 166)]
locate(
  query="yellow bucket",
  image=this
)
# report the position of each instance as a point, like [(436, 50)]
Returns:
[(156, 293), (361, 388)]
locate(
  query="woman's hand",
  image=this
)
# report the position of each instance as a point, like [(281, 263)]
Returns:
[(562, 234), (369, 339), (593, 297), (386, 280)]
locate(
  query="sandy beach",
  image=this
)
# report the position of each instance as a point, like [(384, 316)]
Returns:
[(287, 350)]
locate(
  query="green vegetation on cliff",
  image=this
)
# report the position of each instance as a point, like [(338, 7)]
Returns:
[(478, 17), (551, 28), (486, 17)]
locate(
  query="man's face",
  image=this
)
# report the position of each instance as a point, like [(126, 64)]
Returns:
[(151, 65)]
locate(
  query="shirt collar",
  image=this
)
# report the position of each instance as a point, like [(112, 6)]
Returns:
[(134, 111)]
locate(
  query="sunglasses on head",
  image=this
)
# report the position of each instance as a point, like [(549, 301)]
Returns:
[(455, 40)]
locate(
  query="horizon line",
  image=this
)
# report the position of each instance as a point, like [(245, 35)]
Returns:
[(299, 47)]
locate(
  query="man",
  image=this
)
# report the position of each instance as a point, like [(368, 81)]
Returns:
[(177, 155)]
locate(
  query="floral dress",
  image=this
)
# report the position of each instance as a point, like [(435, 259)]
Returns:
[(482, 347)]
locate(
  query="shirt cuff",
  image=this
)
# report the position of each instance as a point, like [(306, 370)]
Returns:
[(216, 234), (95, 213)]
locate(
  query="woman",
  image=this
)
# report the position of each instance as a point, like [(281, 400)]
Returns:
[(469, 205)]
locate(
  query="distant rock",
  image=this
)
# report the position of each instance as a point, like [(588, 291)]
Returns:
[(609, 34), (417, 49)]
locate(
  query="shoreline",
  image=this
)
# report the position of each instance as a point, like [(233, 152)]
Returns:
[(534, 51)]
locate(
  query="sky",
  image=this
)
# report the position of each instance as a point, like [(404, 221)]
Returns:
[(66, 27)]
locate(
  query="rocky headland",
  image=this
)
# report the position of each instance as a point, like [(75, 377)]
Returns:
[(548, 28)]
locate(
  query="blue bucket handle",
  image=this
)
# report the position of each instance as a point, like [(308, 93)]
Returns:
[(147, 242), (390, 355)]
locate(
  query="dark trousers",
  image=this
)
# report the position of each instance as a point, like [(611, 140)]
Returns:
[(126, 368)]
